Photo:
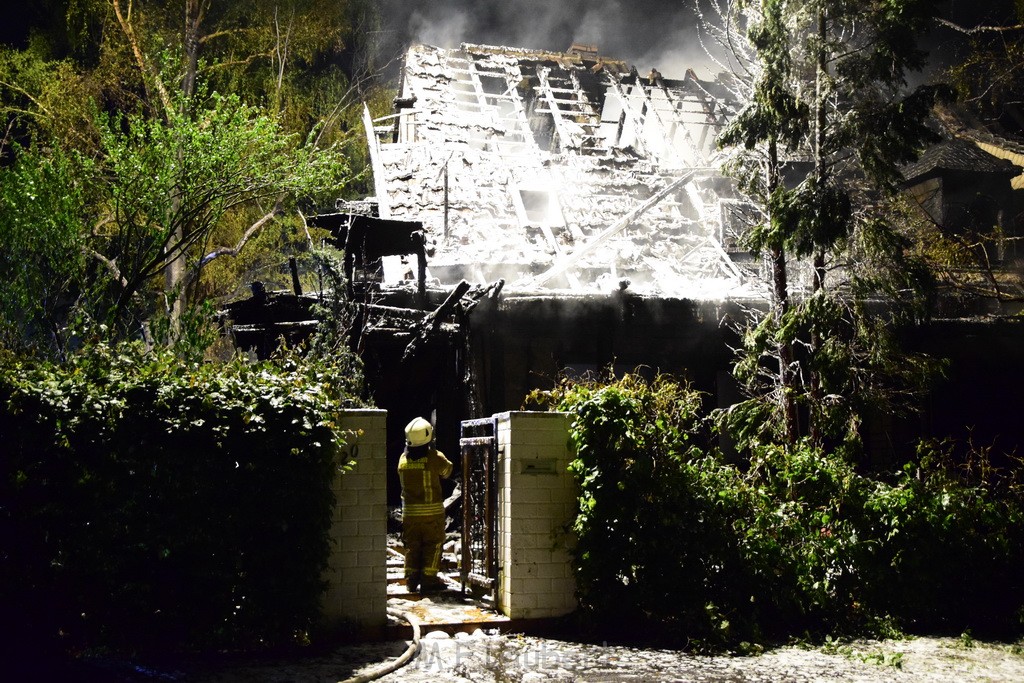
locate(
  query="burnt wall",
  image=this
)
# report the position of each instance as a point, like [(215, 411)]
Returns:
[(979, 400), (982, 395), (529, 341)]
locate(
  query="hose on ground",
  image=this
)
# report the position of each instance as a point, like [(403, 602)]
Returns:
[(396, 664)]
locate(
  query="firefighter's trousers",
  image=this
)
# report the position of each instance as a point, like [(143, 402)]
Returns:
[(423, 537)]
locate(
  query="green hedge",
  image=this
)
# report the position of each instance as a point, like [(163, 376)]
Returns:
[(673, 542), (146, 502)]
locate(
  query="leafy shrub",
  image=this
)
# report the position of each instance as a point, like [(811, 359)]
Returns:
[(674, 541), (950, 539), (147, 501), (654, 545)]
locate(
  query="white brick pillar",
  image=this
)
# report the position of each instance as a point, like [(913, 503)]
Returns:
[(357, 579), (536, 505)]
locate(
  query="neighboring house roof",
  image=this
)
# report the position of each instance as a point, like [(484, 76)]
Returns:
[(957, 123), (563, 170), (956, 155), (1013, 153)]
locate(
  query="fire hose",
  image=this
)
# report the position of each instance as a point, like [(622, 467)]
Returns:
[(411, 651)]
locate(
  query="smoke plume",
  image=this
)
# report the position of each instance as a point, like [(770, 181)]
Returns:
[(647, 33)]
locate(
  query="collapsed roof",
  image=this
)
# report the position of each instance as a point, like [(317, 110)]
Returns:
[(560, 170)]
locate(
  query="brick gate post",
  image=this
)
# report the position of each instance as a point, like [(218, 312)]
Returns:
[(536, 505), (356, 594)]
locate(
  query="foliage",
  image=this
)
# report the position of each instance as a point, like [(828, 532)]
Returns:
[(638, 463), (43, 101), (989, 77), (951, 536), (332, 344), (879, 657), (43, 200), (826, 108), (205, 124), (677, 543), (153, 502), (859, 366), (159, 189), (169, 184)]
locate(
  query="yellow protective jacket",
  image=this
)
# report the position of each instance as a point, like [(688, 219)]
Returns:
[(421, 483)]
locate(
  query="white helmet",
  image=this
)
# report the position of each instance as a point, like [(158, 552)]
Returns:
[(419, 432)]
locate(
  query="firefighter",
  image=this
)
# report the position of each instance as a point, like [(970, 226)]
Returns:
[(420, 470)]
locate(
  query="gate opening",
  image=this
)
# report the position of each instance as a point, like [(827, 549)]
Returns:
[(478, 565)]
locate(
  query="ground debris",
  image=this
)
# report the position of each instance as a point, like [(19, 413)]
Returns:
[(485, 655)]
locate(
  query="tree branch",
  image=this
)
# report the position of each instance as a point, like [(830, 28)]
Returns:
[(110, 264), (282, 56), (140, 59), (978, 29), (246, 236), (224, 32), (239, 62), (107, 219)]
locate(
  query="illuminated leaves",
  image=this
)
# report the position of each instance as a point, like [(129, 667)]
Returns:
[(44, 209)]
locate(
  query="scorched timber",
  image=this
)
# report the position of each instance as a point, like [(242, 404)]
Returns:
[(432, 321)]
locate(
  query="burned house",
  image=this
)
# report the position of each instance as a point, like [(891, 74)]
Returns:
[(570, 215), (967, 192), (559, 171), (548, 212), (970, 190), (588, 189)]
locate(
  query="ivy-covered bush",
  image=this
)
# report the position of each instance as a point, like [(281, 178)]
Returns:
[(951, 542), (655, 546), (675, 542), (145, 501)]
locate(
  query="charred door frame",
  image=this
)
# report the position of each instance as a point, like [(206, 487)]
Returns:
[(478, 566), (368, 238)]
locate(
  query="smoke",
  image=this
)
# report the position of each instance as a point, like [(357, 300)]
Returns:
[(647, 33)]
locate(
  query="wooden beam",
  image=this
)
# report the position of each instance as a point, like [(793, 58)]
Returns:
[(380, 187), (570, 260), (432, 321)]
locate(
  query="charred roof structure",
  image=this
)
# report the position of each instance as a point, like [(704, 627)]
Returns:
[(559, 171)]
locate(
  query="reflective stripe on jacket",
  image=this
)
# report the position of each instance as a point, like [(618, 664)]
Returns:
[(421, 483)]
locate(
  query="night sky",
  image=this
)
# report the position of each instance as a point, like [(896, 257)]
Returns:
[(14, 27)]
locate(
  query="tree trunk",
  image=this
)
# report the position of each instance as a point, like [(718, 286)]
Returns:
[(195, 11), (780, 304), (125, 20), (821, 178), (174, 274)]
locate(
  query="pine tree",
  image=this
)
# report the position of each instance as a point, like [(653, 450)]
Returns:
[(818, 147)]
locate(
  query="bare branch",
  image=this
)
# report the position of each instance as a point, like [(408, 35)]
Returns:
[(979, 29), (27, 95), (239, 62), (305, 227), (226, 32), (7, 138), (246, 236), (281, 52), (110, 264), (109, 218)]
